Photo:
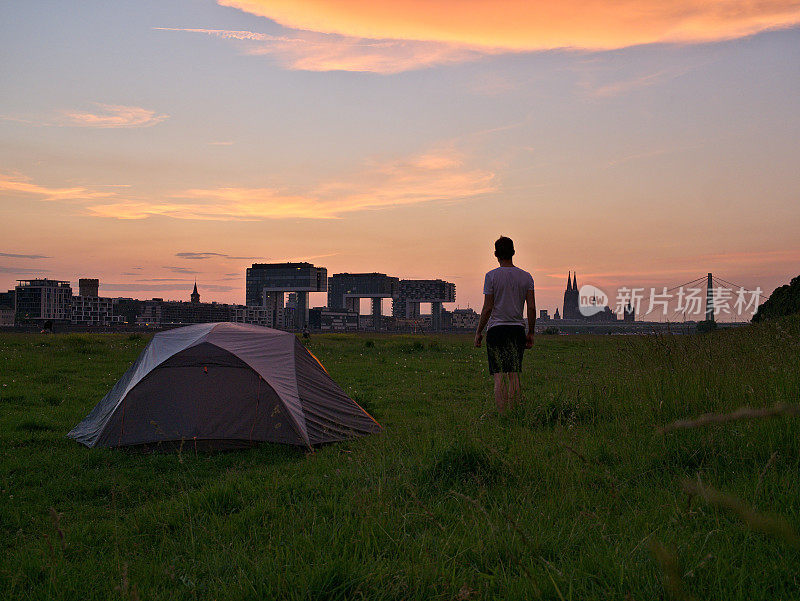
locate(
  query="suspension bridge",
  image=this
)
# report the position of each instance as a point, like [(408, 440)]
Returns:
[(718, 294)]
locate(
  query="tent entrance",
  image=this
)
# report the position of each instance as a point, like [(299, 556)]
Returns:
[(203, 396)]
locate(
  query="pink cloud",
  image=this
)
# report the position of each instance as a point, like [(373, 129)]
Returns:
[(428, 177), (15, 184), (310, 51), (112, 116)]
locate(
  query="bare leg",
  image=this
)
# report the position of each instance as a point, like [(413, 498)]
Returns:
[(513, 389), (500, 393)]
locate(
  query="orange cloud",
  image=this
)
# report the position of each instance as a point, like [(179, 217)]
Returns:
[(523, 25), (426, 178), (309, 51), (113, 115), (22, 185)]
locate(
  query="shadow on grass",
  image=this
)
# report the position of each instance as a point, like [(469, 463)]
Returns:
[(460, 463)]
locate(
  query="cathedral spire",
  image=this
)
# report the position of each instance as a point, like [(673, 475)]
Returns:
[(574, 281), (195, 294), (569, 283)]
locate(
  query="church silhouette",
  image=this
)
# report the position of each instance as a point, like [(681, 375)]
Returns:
[(571, 309)]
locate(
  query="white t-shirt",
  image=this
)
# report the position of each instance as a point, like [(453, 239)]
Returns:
[(509, 285)]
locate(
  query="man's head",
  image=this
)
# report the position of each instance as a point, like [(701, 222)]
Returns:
[(504, 248)]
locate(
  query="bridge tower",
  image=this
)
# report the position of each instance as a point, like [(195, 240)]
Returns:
[(710, 299)]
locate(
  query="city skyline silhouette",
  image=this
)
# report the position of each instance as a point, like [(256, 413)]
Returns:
[(194, 138)]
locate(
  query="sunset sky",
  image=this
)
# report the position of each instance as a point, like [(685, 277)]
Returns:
[(641, 143)]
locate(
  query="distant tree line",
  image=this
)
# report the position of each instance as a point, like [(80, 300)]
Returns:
[(785, 300)]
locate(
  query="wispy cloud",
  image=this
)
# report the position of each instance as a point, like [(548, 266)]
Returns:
[(106, 116), (216, 288), (311, 51), (199, 255), (23, 270), (15, 256), (16, 184), (524, 25), (211, 255), (625, 86), (174, 269), (112, 116), (488, 83), (436, 176)]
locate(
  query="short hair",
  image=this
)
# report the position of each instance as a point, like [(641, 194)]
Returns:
[(504, 248)]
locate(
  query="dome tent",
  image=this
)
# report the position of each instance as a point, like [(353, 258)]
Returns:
[(221, 386)]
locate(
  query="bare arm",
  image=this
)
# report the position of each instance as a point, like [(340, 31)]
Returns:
[(488, 305), (530, 300)]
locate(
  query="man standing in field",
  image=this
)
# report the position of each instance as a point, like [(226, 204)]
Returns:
[(506, 289)]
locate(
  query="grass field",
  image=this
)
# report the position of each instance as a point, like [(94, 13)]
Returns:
[(576, 496)]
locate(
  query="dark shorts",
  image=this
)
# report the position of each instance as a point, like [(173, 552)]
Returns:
[(505, 346)]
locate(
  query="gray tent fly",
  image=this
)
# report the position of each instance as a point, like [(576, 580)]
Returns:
[(222, 386)]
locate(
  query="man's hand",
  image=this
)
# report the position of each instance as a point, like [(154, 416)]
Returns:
[(478, 339), (529, 340)]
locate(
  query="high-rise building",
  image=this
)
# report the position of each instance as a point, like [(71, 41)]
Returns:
[(266, 284), (93, 311), (7, 298), (464, 319), (89, 287), (413, 292), (345, 291), (127, 309), (158, 313), (260, 316), (325, 320), (43, 300), (90, 309), (7, 308)]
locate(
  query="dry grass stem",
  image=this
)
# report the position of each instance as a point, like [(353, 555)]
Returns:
[(763, 473), (57, 525), (673, 582), (754, 520), (723, 418)]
